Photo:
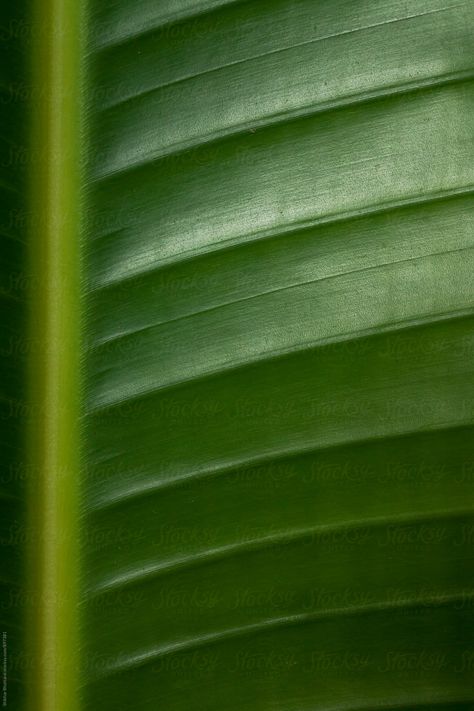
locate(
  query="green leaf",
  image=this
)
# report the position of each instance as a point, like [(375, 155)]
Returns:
[(236, 355)]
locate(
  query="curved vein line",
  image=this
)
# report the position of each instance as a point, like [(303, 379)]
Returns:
[(127, 496), (147, 573), (281, 231), (269, 53), (276, 354), (278, 623), (176, 18), (280, 119), (262, 294)]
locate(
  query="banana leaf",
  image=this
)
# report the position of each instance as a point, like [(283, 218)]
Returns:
[(236, 354)]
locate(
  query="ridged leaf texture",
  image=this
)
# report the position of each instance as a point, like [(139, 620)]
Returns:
[(267, 490)]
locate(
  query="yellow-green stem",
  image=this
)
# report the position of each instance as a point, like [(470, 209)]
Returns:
[(57, 36)]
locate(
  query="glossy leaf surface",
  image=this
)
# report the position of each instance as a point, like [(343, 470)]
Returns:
[(277, 338)]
